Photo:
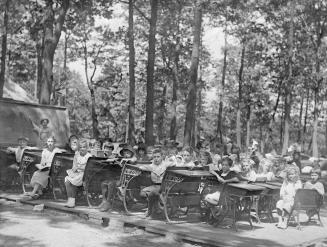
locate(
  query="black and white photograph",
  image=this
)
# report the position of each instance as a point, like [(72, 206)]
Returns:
[(167, 123)]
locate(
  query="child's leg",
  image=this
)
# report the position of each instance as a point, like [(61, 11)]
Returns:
[(104, 189), (71, 194), (112, 190), (36, 188)]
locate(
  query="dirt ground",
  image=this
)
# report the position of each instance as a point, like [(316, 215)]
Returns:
[(21, 226)]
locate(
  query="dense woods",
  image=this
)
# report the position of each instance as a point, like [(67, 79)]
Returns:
[(153, 68)]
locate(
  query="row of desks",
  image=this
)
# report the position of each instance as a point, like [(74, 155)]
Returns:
[(180, 187)]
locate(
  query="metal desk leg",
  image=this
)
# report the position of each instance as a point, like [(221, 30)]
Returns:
[(128, 175), (167, 184)]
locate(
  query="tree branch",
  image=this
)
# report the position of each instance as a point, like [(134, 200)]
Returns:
[(94, 62)]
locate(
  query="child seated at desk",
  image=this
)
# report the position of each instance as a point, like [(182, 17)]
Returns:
[(289, 187), (40, 178), (265, 170), (247, 173), (141, 153), (314, 184), (110, 186), (187, 155), (75, 175), (157, 169), (206, 160), (19, 151), (108, 149), (223, 176)]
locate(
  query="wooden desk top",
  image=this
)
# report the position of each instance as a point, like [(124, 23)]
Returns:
[(268, 186), (191, 173), (246, 186)]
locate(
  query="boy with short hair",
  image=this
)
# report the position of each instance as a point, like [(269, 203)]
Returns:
[(157, 169)]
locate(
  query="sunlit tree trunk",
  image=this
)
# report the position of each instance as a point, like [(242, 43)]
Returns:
[(191, 99), (221, 94), (248, 126), (149, 139), (4, 48), (288, 98), (304, 131), (131, 110)]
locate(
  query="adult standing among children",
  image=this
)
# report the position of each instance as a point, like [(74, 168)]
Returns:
[(43, 131), (76, 173), (40, 177)]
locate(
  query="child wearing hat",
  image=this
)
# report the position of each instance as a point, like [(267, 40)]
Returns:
[(109, 187)]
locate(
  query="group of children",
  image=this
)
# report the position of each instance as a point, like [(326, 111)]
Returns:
[(227, 169)]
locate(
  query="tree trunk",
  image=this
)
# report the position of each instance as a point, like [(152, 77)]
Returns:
[(248, 126), (220, 110), (39, 52), (299, 133), (288, 100), (52, 32), (94, 116), (173, 122), (315, 151), (131, 110), (191, 100), (4, 48), (161, 114), (305, 119), (92, 94), (238, 113), (269, 135), (149, 139)]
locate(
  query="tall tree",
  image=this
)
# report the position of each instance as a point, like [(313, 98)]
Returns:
[(53, 25), (4, 47), (150, 74), (191, 99), (131, 106), (221, 91), (288, 96)]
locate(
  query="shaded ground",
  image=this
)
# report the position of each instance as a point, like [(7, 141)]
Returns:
[(20, 226)]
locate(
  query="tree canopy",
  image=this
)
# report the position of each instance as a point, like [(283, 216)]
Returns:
[(126, 69)]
